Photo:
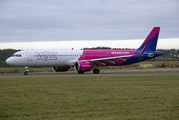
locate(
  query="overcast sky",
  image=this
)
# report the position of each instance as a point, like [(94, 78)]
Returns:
[(70, 20)]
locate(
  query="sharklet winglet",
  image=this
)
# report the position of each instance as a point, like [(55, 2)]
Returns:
[(142, 51)]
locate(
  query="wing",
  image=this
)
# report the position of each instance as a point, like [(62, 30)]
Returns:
[(111, 59), (108, 59)]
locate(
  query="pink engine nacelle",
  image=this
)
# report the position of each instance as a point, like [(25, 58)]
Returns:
[(60, 69), (83, 66)]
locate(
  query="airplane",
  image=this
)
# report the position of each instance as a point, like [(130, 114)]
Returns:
[(86, 60)]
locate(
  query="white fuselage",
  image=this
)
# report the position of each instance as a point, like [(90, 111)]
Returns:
[(45, 58)]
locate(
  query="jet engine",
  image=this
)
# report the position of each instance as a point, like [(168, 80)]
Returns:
[(82, 66), (60, 69)]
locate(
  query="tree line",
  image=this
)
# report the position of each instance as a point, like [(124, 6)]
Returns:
[(4, 54)]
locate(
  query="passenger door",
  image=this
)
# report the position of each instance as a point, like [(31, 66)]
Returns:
[(29, 56)]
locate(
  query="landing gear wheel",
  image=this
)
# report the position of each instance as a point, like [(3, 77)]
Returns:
[(80, 72), (96, 71), (26, 70), (26, 73)]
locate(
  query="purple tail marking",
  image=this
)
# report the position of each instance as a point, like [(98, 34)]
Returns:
[(151, 40)]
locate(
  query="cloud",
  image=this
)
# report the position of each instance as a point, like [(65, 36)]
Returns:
[(93, 43), (60, 20)]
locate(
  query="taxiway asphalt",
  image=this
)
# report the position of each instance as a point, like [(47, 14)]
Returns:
[(88, 74)]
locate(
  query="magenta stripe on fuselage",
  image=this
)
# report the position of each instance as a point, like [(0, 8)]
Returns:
[(97, 54), (154, 32)]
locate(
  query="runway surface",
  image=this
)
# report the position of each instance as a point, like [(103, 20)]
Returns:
[(88, 74)]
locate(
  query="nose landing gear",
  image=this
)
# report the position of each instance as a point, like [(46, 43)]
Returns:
[(26, 71)]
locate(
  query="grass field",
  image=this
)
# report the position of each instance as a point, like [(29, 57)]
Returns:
[(21, 70), (90, 97)]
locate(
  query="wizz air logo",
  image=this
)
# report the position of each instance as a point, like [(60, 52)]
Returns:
[(46, 55), (120, 52)]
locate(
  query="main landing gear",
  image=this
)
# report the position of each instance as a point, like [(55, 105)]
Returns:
[(80, 72), (96, 71), (26, 71)]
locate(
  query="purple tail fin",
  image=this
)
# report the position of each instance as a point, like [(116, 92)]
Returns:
[(151, 40)]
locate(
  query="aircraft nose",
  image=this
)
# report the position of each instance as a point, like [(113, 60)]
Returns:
[(9, 61)]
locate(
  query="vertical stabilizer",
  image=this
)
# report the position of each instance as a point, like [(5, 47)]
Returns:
[(151, 40)]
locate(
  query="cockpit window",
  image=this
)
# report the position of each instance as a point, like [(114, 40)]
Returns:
[(16, 55)]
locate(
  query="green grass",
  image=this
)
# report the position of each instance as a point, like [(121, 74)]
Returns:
[(90, 97), (12, 70)]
